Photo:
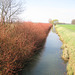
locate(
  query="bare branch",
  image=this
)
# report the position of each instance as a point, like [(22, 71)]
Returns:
[(9, 8)]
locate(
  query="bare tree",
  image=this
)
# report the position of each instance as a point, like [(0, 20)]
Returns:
[(50, 21), (73, 21), (9, 9)]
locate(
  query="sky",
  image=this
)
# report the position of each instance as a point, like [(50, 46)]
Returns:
[(43, 10)]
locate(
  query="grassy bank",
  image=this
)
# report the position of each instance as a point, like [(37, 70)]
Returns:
[(67, 35), (18, 43)]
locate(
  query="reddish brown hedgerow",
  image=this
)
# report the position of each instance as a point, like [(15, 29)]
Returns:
[(18, 43)]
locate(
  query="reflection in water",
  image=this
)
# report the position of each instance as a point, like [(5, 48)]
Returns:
[(48, 61), (53, 29), (34, 61)]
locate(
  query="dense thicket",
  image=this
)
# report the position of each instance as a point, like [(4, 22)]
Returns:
[(18, 43)]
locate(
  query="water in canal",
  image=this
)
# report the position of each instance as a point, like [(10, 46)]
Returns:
[(48, 61)]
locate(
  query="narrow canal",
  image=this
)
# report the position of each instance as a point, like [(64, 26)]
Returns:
[(48, 61)]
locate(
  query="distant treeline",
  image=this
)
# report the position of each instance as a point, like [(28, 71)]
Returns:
[(66, 24)]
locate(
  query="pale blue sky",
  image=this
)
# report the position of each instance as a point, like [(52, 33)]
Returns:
[(43, 10)]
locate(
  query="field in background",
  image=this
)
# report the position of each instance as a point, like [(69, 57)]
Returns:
[(67, 35), (70, 26), (18, 42)]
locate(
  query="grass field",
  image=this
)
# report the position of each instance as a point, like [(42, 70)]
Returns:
[(71, 27), (67, 35)]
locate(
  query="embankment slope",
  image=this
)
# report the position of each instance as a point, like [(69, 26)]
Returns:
[(67, 35)]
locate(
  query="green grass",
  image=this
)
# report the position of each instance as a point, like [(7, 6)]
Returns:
[(67, 35), (71, 27)]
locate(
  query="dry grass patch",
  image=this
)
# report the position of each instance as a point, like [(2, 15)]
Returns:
[(67, 34)]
